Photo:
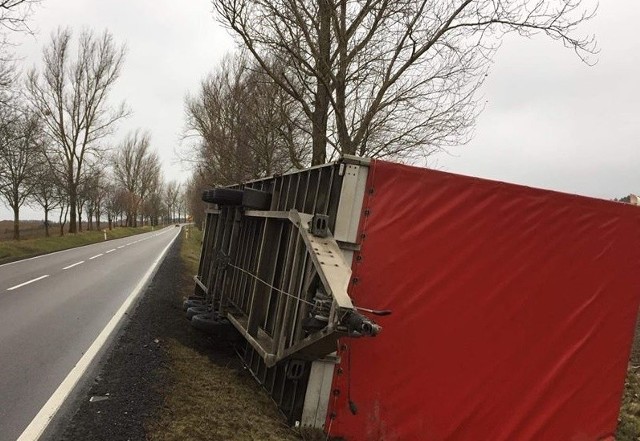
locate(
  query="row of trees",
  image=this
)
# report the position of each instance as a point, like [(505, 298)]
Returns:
[(56, 124), (316, 79), (124, 184), (391, 78), (245, 126)]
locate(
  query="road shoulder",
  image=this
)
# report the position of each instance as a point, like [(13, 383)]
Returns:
[(161, 378)]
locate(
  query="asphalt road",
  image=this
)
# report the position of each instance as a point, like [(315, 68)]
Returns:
[(53, 307)]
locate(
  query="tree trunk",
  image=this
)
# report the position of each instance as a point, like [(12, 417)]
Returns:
[(46, 222), (16, 222), (344, 140), (80, 219), (73, 202), (321, 110), (63, 212)]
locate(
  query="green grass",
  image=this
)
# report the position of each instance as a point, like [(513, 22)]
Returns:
[(15, 250)]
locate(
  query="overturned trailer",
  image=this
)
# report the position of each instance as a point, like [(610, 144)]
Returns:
[(379, 301)]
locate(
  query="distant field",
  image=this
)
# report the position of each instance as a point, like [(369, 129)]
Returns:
[(11, 250), (32, 229), (28, 229)]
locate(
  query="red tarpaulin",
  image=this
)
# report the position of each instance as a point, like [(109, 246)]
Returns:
[(513, 312)]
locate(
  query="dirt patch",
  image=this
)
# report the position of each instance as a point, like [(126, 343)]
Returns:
[(164, 380)]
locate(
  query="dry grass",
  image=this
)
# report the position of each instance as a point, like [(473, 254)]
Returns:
[(190, 251), (11, 250), (207, 399), (211, 402)]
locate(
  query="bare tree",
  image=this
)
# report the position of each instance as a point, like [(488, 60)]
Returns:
[(154, 207), (194, 188), (137, 169), (71, 97), (97, 194), (150, 180), (82, 198), (20, 147), (172, 193), (63, 212), (114, 203), (182, 203), (387, 77), (247, 126), (15, 14), (272, 127), (45, 192)]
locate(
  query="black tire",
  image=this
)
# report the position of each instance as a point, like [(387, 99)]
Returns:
[(226, 196), (192, 302), (207, 196), (209, 322), (256, 199), (193, 310)]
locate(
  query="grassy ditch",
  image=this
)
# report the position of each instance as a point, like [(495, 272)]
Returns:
[(208, 395), (15, 250)]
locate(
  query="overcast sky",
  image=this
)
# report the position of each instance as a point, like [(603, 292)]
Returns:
[(550, 121)]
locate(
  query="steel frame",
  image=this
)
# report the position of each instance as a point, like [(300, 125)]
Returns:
[(270, 276)]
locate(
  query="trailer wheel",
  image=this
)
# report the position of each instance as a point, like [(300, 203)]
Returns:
[(226, 196), (192, 302), (193, 310), (207, 196), (256, 199), (208, 322)]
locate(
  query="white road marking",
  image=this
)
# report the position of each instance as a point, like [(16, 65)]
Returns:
[(129, 243), (26, 283), (121, 246), (40, 422), (96, 256), (74, 264), (107, 252)]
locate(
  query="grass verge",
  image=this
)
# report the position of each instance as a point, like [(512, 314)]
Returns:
[(210, 397), (15, 250)]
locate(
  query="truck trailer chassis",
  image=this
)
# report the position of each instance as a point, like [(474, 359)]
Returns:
[(378, 301)]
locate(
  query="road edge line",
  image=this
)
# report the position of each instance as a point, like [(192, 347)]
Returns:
[(41, 421)]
